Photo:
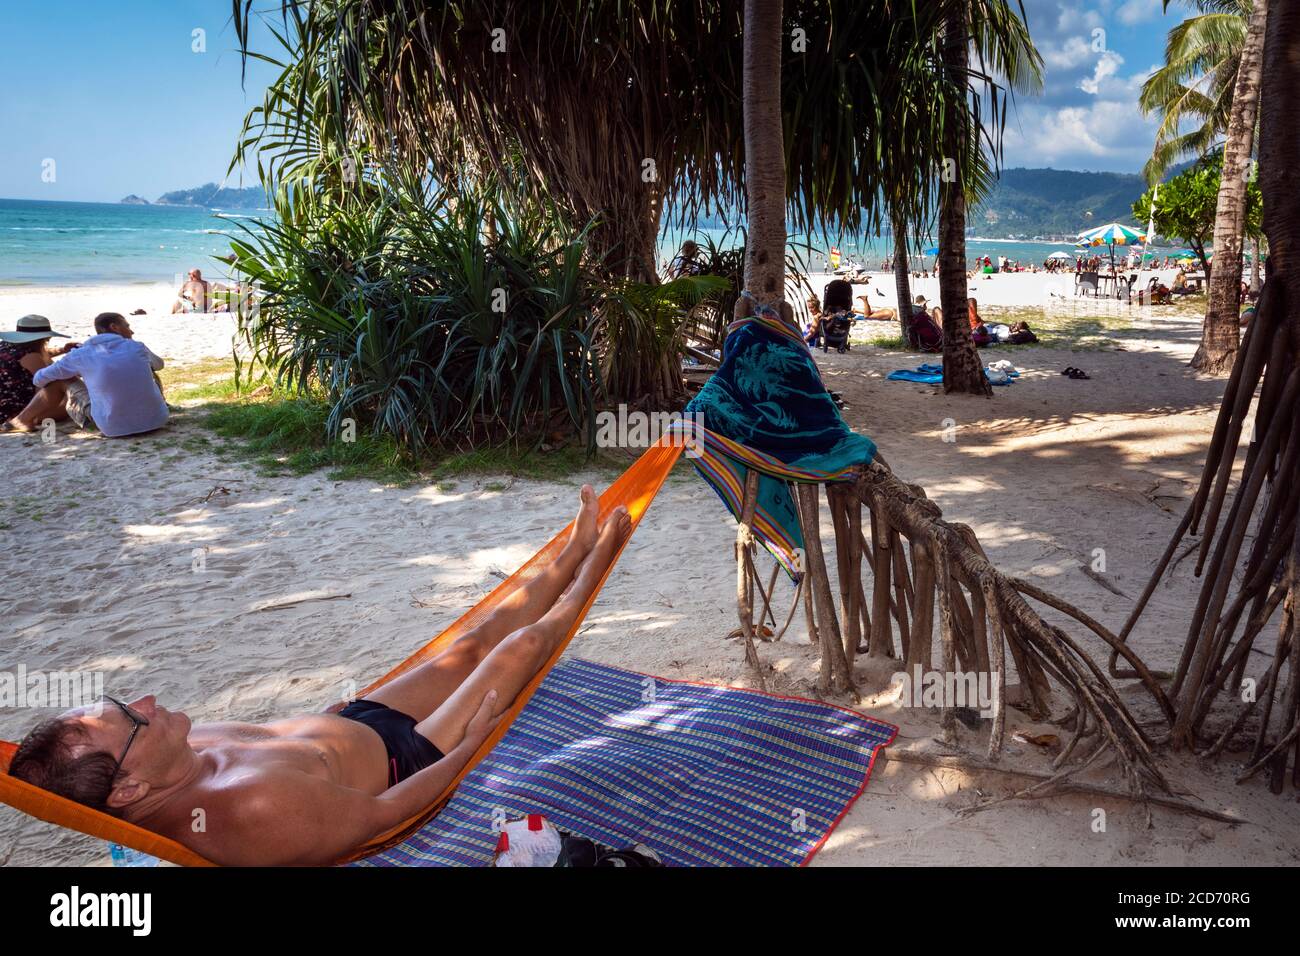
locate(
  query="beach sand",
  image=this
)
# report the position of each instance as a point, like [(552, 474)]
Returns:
[(181, 339), (309, 587)]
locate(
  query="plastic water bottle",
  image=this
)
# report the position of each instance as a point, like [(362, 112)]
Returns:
[(125, 856)]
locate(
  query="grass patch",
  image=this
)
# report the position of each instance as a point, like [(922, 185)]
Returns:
[(555, 465), (286, 435)]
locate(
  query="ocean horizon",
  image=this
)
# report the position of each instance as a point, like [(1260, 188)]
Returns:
[(46, 243)]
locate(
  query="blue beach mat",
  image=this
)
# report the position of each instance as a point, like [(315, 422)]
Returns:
[(704, 775), (931, 374)]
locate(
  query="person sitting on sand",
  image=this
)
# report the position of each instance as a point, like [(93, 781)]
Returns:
[(923, 333), (812, 335), (978, 330), (686, 261), (1181, 286), (193, 295), (311, 788), (23, 353), (110, 382), (1157, 293)]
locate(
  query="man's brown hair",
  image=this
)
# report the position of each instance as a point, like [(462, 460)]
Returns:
[(45, 759)]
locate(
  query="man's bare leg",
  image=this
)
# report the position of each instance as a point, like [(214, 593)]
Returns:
[(518, 658), (419, 692)]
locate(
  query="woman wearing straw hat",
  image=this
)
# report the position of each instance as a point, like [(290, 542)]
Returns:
[(23, 353)]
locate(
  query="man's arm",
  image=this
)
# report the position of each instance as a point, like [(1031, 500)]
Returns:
[(155, 362), (64, 368)]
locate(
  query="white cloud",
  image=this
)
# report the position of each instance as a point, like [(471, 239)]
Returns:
[(1074, 52), (1106, 130), (1108, 65), (1133, 12)]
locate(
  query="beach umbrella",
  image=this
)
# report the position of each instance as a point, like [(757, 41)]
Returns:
[(1112, 234), (1060, 255)]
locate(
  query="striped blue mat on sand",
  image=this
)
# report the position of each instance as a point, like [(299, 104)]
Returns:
[(704, 775)]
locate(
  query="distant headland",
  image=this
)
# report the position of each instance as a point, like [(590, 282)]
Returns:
[(207, 196)]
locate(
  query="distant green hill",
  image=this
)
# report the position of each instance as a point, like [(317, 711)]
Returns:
[(212, 196), (1056, 202), (1047, 202)]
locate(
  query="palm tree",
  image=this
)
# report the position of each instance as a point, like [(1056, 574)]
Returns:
[(764, 152), (1195, 85), (1211, 79), (962, 369), (1192, 92), (902, 285), (1219, 339), (625, 114)]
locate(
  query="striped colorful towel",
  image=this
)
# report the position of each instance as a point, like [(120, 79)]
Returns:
[(767, 408), (703, 775)]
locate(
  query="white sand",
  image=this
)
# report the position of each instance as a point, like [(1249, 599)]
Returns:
[(101, 538), (72, 311), (1002, 289)]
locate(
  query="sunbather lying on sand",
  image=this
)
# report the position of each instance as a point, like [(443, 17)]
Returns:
[(309, 789), (879, 314)]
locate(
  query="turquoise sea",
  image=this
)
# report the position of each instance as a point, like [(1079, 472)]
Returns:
[(72, 243), (78, 243)]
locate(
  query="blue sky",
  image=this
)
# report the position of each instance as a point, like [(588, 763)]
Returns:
[(1087, 116), (114, 93)]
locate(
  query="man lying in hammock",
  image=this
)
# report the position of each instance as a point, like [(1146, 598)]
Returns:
[(309, 789)]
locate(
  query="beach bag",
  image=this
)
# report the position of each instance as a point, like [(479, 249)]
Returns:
[(533, 841), (923, 334)]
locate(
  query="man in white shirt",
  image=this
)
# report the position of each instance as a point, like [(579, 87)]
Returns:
[(110, 380)]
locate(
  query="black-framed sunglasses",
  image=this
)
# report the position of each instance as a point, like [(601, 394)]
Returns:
[(137, 721)]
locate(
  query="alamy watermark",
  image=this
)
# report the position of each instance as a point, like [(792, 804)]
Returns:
[(974, 689), (636, 429), (65, 690)]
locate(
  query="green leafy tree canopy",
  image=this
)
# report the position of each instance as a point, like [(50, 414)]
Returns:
[(1185, 206)]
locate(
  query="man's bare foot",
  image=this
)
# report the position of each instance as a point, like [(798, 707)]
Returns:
[(585, 530), (613, 532)]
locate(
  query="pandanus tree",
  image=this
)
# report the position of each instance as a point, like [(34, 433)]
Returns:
[(1249, 551), (628, 114)]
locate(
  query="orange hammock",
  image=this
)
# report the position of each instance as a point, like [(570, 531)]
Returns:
[(635, 488)]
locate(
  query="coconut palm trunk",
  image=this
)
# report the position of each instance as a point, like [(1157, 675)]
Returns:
[(764, 152), (1220, 335), (902, 283), (962, 370)]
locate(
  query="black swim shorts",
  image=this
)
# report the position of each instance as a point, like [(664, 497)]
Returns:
[(408, 750)]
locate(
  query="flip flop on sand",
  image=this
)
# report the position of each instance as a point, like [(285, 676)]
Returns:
[(1078, 373)]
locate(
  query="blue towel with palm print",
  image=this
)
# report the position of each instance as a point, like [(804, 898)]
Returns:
[(767, 408)]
